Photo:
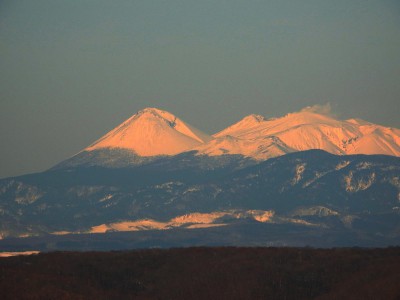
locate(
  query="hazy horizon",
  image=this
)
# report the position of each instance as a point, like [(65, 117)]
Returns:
[(73, 70)]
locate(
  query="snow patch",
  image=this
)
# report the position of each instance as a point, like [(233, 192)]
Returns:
[(364, 165), (191, 190), (316, 177), (361, 184), (106, 197), (395, 181), (8, 254), (298, 173), (192, 220), (342, 165), (27, 194)]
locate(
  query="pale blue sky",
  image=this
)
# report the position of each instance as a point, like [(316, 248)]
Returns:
[(73, 69)]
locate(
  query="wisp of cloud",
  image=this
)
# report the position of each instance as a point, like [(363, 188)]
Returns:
[(324, 109)]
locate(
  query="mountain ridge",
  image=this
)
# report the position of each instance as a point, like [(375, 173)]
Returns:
[(307, 130), (312, 191), (254, 175), (153, 133)]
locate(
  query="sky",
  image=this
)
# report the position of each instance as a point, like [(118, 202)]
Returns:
[(72, 70)]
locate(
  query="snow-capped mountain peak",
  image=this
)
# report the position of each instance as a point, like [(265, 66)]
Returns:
[(152, 132), (261, 138)]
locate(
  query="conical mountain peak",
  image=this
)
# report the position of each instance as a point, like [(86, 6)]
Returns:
[(152, 132)]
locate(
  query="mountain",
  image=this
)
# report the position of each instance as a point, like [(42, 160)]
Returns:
[(259, 138), (282, 181), (151, 133), (353, 199)]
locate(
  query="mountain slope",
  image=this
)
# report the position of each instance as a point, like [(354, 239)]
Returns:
[(152, 132), (259, 138), (312, 189)]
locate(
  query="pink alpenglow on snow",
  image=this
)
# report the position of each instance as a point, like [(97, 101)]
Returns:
[(306, 130), (152, 132)]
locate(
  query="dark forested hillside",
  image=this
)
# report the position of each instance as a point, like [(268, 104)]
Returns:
[(355, 195), (205, 273)]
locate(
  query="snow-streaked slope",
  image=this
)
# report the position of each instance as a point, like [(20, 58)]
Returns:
[(8, 254), (189, 221), (152, 132), (260, 149), (259, 138)]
